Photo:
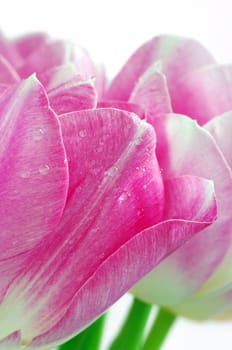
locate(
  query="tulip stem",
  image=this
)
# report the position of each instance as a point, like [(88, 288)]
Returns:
[(159, 330), (89, 339), (130, 336)]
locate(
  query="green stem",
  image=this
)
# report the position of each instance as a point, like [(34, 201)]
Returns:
[(89, 339), (130, 336), (159, 330)]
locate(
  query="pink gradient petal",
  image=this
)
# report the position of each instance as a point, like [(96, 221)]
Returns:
[(55, 76), (221, 129), (7, 73), (34, 181), (30, 43), (151, 93), (9, 52), (73, 95), (125, 106), (178, 56), (113, 174), (11, 342), (188, 197), (48, 56), (204, 93), (117, 274), (185, 148)]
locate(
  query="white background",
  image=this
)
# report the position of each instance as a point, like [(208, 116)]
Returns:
[(111, 30)]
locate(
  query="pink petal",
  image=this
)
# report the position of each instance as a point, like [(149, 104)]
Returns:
[(151, 93), (113, 174), (34, 180), (73, 95), (11, 342), (178, 56), (221, 129), (117, 274), (58, 75), (188, 197), (30, 43), (125, 106), (9, 52), (48, 56), (185, 148), (7, 73), (205, 93)]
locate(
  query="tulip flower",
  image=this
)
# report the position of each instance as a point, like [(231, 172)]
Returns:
[(85, 210), (181, 90)]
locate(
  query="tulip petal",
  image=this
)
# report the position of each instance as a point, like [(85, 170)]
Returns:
[(204, 93), (7, 73), (151, 93), (221, 129), (73, 95), (125, 106), (9, 52), (30, 43), (178, 56), (185, 148), (117, 274), (113, 174), (58, 75), (49, 55), (186, 197), (34, 181), (11, 342)]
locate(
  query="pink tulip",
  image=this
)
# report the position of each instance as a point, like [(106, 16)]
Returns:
[(170, 75), (85, 211)]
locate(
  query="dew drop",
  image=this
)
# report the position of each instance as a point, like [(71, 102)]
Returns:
[(83, 133), (38, 134), (124, 195), (44, 169), (112, 171), (25, 174)]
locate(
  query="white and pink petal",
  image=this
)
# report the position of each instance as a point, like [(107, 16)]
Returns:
[(185, 148), (204, 93), (34, 175), (178, 56), (113, 174)]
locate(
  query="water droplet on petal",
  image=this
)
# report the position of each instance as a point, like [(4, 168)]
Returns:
[(44, 169), (124, 195), (25, 174), (83, 133), (38, 134)]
